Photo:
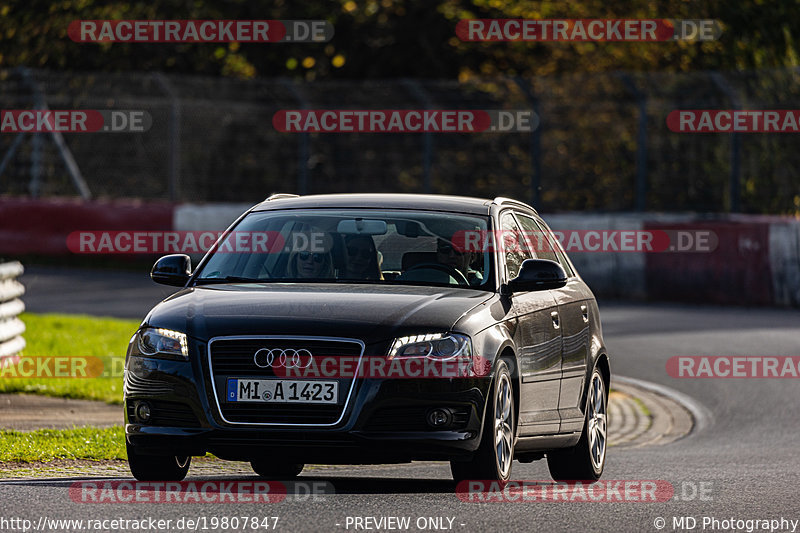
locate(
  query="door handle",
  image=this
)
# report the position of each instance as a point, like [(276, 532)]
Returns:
[(585, 313), (554, 316)]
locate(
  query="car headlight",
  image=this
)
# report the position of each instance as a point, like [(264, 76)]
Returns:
[(433, 345), (159, 342)]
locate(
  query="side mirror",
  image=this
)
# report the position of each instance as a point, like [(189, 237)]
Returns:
[(538, 275), (172, 270)]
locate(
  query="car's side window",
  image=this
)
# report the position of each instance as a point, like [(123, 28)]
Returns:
[(551, 248), (540, 241), (515, 249)]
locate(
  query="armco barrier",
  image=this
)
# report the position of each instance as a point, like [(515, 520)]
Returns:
[(41, 226), (612, 274), (784, 259), (206, 217), (756, 261), (11, 327), (738, 271)]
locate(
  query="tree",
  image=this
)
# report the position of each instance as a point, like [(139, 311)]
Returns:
[(400, 38)]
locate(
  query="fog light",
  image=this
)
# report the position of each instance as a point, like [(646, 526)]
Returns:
[(440, 418), (143, 411)]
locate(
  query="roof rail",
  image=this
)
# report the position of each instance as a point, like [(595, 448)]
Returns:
[(281, 195), (499, 200)]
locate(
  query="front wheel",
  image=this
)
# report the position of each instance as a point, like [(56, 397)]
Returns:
[(585, 461), (492, 461), (157, 467)]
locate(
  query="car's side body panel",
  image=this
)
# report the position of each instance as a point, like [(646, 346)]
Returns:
[(572, 300)]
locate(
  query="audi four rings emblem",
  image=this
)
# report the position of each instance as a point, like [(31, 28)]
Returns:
[(287, 358)]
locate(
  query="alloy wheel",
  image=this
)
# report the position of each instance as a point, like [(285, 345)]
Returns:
[(597, 422), (503, 425)]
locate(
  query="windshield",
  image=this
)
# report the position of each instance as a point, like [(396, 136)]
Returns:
[(351, 246)]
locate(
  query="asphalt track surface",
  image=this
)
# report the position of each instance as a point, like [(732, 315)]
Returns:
[(744, 450)]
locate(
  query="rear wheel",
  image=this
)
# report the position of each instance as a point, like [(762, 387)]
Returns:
[(585, 461), (272, 470), (492, 460), (157, 467)]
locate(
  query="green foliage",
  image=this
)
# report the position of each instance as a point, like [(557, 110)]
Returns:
[(400, 38), (755, 35)]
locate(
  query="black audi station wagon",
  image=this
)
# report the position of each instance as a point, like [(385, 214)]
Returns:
[(372, 328)]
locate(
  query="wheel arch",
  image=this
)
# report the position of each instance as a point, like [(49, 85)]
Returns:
[(602, 364), (507, 354), (496, 342)]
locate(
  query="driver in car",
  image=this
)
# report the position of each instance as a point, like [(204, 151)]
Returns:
[(448, 254)]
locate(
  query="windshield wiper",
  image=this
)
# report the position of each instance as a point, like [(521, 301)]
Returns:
[(230, 279)]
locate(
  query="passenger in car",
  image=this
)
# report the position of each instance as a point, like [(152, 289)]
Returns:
[(362, 260), (305, 264)]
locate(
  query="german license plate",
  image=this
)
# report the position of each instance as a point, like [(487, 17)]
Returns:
[(282, 391)]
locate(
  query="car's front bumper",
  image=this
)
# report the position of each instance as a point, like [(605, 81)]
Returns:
[(321, 446), (386, 420)]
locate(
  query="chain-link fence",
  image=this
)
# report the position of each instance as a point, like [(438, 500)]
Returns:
[(602, 144)]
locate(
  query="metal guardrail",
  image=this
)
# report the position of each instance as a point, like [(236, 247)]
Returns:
[(11, 327)]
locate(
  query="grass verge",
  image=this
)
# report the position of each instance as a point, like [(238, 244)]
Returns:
[(50, 444), (74, 335)]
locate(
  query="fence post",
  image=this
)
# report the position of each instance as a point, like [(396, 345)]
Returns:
[(735, 182), (641, 142), (534, 145), (304, 144), (174, 136), (419, 93), (11, 327), (35, 184)]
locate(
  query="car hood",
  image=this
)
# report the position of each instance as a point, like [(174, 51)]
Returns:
[(372, 313)]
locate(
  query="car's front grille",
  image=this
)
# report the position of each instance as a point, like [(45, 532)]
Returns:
[(412, 418), (282, 414), (232, 357)]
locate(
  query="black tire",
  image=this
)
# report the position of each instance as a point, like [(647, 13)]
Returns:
[(157, 467), (487, 463), (586, 460), (274, 470)]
